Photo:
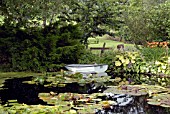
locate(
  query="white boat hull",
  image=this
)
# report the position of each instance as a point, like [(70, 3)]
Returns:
[(87, 68)]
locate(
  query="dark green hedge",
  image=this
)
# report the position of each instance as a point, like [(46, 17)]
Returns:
[(36, 49)]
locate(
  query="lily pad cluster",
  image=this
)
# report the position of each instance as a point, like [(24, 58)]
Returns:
[(162, 100), (136, 90), (86, 102), (61, 80), (74, 101), (158, 95), (35, 109)]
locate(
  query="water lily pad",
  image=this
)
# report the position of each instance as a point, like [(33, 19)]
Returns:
[(98, 100), (29, 82), (11, 101), (61, 85), (154, 103), (73, 111), (44, 94), (164, 105), (163, 99)]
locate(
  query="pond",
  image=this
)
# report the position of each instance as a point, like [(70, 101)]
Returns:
[(93, 96)]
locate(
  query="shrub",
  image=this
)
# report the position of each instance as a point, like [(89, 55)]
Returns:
[(153, 54), (89, 58), (37, 49)]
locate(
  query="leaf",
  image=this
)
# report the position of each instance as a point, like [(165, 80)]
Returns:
[(132, 61), (73, 111), (127, 61), (123, 60), (154, 103), (164, 105), (118, 63), (163, 66)]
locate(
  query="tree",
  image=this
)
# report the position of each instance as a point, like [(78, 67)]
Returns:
[(97, 17), (24, 13), (26, 35), (159, 19), (146, 21)]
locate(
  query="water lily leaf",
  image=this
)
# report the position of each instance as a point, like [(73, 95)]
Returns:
[(87, 110), (62, 108), (154, 103), (44, 94), (79, 108), (73, 111), (82, 111), (97, 100), (29, 82), (83, 100), (164, 105), (12, 111), (10, 101), (45, 99), (61, 85), (90, 103), (134, 94)]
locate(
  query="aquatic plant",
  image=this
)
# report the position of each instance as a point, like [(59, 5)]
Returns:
[(162, 100), (136, 90)]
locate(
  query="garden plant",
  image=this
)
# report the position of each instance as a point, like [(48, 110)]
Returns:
[(39, 38)]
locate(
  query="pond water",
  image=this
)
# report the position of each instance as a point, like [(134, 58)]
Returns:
[(15, 89)]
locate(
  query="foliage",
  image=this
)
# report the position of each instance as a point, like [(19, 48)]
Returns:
[(127, 62), (145, 21), (106, 58), (135, 21), (153, 54), (160, 22), (89, 58), (25, 14), (97, 17), (41, 49), (113, 97), (160, 100), (131, 63), (136, 90)]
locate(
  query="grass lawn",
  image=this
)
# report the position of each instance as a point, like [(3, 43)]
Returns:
[(109, 43)]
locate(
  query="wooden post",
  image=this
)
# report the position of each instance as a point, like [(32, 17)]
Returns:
[(103, 48)]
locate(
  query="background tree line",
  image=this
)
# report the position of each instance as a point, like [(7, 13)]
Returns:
[(39, 35)]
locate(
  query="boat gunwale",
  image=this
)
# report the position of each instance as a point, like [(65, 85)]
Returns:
[(85, 65)]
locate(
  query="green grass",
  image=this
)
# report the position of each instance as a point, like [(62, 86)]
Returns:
[(109, 43)]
